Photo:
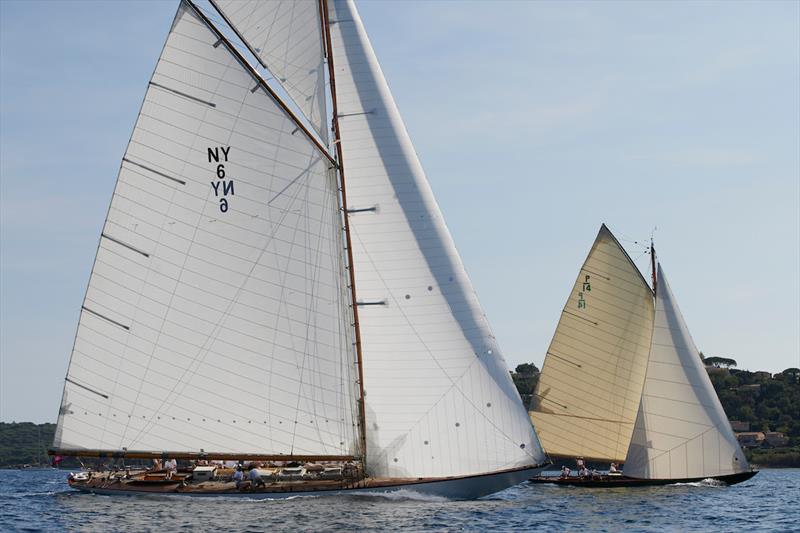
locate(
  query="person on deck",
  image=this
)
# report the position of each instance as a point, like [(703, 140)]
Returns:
[(613, 469), (565, 472), (238, 477), (171, 466), (255, 478)]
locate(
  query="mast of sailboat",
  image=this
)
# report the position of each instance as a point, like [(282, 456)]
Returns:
[(337, 141), (653, 263)]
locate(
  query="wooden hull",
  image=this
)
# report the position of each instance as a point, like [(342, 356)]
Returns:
[(457, 488), (623, 481)]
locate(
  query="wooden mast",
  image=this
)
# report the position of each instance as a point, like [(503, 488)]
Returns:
[(337, 141)]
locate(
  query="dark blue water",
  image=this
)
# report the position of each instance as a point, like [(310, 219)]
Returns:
[(40, 501)]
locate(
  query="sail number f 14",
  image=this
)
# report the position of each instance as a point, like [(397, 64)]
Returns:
[(222, 187)]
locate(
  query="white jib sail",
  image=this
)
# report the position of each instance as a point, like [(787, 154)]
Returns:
[(216, 313), (439, 399), (587, 397), (681, 431), (287, 37)]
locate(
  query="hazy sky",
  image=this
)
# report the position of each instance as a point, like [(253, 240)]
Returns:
[(535, 122)]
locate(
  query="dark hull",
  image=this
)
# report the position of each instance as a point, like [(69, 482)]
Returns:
[(624, 481)]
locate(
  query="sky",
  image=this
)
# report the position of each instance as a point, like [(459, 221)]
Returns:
[(535, 123)]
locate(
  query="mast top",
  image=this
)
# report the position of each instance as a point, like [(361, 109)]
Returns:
[(653, 263)]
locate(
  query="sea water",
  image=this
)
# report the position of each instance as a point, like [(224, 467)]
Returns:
[(39, 500)]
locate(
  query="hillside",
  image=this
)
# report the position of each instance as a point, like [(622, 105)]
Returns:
[(755, 401), (25, 443)]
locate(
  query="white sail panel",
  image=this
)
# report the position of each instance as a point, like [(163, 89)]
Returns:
[(587, 397), (681, 431), (286, 35), (439, 399), (216, 316)]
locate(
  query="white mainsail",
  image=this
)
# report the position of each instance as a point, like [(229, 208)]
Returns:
[(216, 316), (439, 398), (286, 36), (681, 430), (587, 397)]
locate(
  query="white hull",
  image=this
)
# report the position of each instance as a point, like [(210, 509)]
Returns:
[(462, 488)]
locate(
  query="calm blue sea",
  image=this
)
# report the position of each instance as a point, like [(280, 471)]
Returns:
[(39, 500)]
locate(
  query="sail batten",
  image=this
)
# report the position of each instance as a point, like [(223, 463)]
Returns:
[(216, 316), (681, 428), (586, 400)]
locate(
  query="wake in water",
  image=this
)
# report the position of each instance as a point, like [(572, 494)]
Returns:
[(708, 482), (397, 496)]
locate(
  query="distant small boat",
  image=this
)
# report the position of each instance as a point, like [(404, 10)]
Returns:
[(621, 348), (611, 481)]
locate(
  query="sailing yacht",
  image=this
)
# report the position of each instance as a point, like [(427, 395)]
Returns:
[(623, 382), (275, 284)]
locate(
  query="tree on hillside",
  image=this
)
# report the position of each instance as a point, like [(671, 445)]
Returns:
[(720, 362), (791, 375), (526, 369)]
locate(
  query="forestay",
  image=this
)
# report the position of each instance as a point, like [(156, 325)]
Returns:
[(216, 317), (439, 398), (681, 430), (587, 397), (286, 36)]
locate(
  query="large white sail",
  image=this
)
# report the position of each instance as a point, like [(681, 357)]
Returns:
[(216, 316), (439, 399), (681, 430), (587, 397), (286, 36)]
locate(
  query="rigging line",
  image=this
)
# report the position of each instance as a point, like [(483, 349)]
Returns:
[(202, 120), (292, 182), (257, 76), (210, 365), (283, 302), (192, 240), (453, 382), (309, 311), (223, 317)]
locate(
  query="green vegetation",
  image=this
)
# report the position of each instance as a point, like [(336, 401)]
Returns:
[(767, 403), (775, 458), (25, 443), (525, 377), (719, 362)]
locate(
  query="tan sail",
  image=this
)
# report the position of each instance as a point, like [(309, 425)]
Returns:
[(587, 398)]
